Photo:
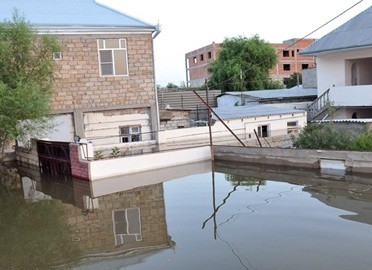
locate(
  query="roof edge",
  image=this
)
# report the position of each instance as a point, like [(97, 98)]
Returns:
[(320, 52)]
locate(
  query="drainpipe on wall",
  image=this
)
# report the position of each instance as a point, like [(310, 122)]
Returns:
[(155, 34)]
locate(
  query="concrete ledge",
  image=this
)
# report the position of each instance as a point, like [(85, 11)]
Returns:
[(119, 166), (354, 162)]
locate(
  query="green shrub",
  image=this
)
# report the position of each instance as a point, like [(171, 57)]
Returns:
[(324, 136), (363, 142)]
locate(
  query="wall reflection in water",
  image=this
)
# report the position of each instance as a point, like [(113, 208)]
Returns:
[(350, 192), (121, 219)]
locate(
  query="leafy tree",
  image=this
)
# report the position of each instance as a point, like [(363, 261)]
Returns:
[(243, 64), (171, 86), (293, 80), (26, 77)]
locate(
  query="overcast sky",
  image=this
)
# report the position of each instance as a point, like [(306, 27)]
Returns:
[(191, 24)]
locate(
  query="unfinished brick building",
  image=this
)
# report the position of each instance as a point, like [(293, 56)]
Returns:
[(289, 60)]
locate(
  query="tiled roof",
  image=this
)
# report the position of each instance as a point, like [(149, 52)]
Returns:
[(251, 111), (356, 33), (276, 94), (82, 13)]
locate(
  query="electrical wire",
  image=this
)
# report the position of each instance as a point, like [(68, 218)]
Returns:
[(294, 43)]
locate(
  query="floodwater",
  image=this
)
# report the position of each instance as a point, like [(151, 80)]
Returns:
[(189, 217)]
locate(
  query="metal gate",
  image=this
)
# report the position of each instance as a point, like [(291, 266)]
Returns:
[(54, 158)]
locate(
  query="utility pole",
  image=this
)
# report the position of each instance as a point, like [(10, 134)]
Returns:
[(209, 118)]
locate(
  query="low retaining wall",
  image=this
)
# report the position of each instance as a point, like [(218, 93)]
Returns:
[(353, 162), (99, 169)]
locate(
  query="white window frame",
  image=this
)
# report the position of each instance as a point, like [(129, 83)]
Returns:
[(121, 47), (120, 237), (132, 133), (292, 127)]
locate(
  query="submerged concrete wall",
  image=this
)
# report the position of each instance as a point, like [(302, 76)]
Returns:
[(352, 161)]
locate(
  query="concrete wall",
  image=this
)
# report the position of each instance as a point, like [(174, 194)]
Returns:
[(174, 119), (335, 69), (243, 128), (309, 79), (112, 167), (354, 162), (104, 127), (360, 95)]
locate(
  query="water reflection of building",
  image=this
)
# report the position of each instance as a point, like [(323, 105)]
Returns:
[(122, 224), (115, 219), (126, 220), (355, 200)]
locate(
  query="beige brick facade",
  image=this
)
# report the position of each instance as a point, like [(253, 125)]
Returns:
[(78, 84)]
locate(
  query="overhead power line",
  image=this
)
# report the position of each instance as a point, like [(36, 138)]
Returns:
[(298, 40)]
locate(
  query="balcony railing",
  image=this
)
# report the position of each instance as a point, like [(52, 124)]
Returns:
[(318, 106)]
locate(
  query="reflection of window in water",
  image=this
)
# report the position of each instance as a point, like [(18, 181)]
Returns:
[(127, 226)]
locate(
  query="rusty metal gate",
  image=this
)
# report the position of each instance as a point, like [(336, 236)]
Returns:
[(54, 158)]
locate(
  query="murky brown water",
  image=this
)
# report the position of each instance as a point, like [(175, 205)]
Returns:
[(237, 217)]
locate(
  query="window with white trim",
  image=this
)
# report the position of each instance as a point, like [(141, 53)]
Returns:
[(130, 134), (263, 131), (292, 127), (127, 226), (113, 57)]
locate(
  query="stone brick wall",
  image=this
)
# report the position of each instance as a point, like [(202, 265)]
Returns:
[(78, 83), (94, 232), (174, 119)]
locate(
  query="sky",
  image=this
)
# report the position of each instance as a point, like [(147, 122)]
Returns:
[(189, 25)]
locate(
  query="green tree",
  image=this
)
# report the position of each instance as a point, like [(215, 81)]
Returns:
[(171, 86), (293, 80), (26, 76), (243, 64)]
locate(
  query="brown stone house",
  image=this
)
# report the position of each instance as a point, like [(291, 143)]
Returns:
[(105, 83)]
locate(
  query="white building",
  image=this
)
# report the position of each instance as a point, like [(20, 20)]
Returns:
[(344, 70)]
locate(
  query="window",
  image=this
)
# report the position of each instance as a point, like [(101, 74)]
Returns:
[(292, 127), (285, 53), (57, 56), (305, 66), (286, 67), (202, 57), (127, 226), (195, 61), (113, 57), (209, 55), (263, 131), (293, 53), (130, 134)]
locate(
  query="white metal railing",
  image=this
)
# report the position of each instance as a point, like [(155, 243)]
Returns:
[(318, 105)]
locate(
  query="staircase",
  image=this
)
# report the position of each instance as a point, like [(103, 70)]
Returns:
[(318, 106)]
